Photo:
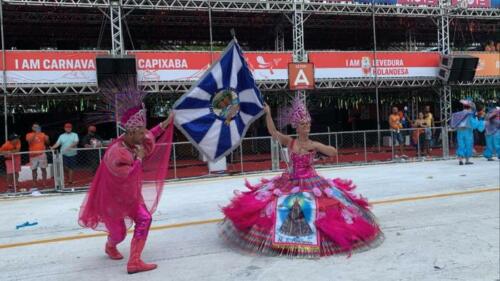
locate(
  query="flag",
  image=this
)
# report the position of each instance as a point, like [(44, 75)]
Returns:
[(218, 109)]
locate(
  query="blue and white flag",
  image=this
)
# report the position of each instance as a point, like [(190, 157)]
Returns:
[(217, 111)]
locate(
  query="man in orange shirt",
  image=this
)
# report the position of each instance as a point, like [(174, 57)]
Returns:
[(38, 141), (396, 126), (12, 162)]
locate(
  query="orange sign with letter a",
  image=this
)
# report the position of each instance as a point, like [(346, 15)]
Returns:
[(301, 76)]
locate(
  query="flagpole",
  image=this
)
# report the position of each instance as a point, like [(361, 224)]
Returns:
[(210, 29), (377, 97), (4, 75), (233, 34)]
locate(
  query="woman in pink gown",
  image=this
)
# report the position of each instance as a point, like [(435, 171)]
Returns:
[(300, 213)]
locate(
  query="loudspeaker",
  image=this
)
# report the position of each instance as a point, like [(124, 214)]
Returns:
[(111, 67), (467, 75), (449, 75), (455, 68), (451, 62), (470, 63)]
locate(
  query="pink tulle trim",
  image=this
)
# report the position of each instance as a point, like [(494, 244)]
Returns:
[(246, 211), (348, 187), (346, 234)]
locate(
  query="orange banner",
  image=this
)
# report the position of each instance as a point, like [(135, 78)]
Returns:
[(190, 66), (340, 65), (50, 60), (50, 67), (489, 63)]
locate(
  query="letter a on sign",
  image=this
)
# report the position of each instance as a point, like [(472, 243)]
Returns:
[(301, 76)]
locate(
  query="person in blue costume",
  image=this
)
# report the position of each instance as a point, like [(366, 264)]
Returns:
[(492, 128), (465, 122)]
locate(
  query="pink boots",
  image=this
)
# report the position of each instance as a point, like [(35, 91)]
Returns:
[(112, 252), (135, 264)]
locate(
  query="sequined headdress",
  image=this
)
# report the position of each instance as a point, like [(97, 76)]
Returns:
[(122, 102), (134, 117), (295, 114)]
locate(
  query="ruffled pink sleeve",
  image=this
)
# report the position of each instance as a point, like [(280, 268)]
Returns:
[(157, 131), (150, 139)]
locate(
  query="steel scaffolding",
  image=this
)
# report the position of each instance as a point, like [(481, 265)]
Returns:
[(115, 13), (298, 10), (273, 6)]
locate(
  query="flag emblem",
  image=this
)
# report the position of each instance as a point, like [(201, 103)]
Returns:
[(218, 109)]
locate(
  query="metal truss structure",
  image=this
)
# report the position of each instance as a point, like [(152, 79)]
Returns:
[(273, 6), (298, 11), (279, 41), (50, 89), (115, 11), (443, 28), (299, 51), (179, 87), (264, 85), (445, 110), (221, 19), (481, 81)]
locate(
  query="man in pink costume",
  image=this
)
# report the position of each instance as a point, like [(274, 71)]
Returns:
[(128, 185)]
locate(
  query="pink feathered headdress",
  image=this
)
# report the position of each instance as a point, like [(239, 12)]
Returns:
[(122, 103), (297, 113), (134, 117)]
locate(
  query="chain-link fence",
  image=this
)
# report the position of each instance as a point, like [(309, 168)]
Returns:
[(25, 172), (55, 171), (77, 171), (186, 161)]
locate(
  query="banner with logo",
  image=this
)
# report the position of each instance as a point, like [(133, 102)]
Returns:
[(471, 3), (269, 65), (50, 67), (171, 66), (419, 2), (73, 67), (189, 66), (363, 64), (488, 65)]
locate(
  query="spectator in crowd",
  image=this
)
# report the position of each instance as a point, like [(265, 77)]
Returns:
[(429, 131), (419, 135), (68, 142), (396, 126), (498, 46), (38, 142), (12, 162), (94, 142), (490, 46), (405, 120)]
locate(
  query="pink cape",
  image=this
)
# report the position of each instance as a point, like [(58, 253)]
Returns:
[(121, 182)]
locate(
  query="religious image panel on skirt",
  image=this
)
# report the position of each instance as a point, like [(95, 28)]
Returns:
[(295, 217), (217, 111)]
